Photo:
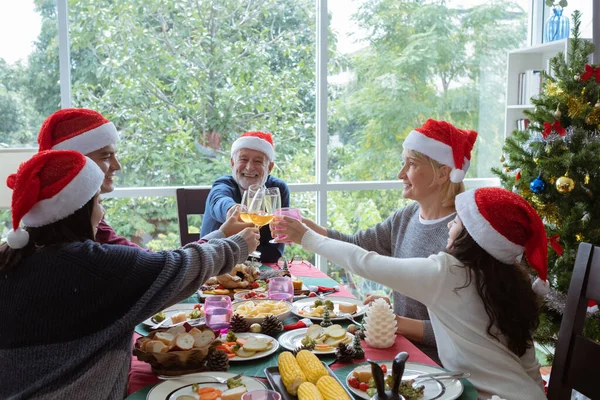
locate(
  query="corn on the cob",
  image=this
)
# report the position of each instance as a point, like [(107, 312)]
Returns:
[(308, 391), (291, 374), (330, 389), (312, 367)]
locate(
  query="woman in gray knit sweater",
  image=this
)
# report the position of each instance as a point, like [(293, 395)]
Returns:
[(69, 305), (436, 158)]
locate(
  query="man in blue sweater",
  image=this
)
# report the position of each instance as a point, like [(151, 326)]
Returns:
[(252, 157)]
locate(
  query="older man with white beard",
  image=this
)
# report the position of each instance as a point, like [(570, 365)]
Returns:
[(252, 159)]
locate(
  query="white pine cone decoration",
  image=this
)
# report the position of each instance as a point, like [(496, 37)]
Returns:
[(380, 325)]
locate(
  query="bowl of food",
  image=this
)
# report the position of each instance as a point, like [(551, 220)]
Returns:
[(177, 350), (258, 294), (255, 311)]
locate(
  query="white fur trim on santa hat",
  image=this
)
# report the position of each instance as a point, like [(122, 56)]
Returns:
[(70, 199), (92, 140), (541, 287), (253, 143), (436, 150), (593, 309), (17, 239), (483, 232)]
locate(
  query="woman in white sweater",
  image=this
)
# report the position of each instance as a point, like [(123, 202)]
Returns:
[(479, 297)]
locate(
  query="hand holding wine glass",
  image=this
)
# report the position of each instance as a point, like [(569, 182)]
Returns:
[(290, 228)]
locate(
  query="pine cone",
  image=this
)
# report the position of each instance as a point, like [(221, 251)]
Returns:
[(299, 348), (271, 325), (239, 324), (217, 360), (344, 353)]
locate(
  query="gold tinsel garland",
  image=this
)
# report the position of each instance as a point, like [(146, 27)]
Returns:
[(576, 106), (548, 212), (593, 118), (552, 89)]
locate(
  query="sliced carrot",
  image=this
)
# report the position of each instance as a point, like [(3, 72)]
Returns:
[(206, 389), (211, 396), (231, 355), (230, 343)]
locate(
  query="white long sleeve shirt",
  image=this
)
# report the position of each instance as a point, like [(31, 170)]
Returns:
[(458, 317)]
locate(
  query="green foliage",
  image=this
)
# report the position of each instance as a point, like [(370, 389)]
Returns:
[(573, 216), (425, 60)]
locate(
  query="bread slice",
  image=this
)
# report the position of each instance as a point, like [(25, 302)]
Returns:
[(348, 308), (155, 346), (363, 373), (176, 330), (234, 394), (183, 341), (180, 317), (204, 338), (165, 337)]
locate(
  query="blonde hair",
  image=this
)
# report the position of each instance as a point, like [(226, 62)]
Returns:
[(449, 189)]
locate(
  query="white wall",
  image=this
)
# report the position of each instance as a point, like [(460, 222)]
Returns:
[(9, 162)]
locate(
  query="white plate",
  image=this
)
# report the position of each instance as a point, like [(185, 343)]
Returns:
[(291, 340), (442, 389), (305, 304), (260, 354), (176, 309), (258, 320), (173, 388)]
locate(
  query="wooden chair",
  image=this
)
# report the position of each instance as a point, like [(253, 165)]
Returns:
[(577, 359), (189, 202)]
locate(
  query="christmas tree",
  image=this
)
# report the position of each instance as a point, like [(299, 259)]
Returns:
[(553, 164)]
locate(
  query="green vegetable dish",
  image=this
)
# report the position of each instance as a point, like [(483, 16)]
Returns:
[(159, 317), (406, 388)]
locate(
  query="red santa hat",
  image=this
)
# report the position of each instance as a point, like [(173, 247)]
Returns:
[(48, 187), (506, 226), (443, 142), (260, 141), (77, 129)]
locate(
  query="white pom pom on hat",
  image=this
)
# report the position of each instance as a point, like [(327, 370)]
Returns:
[(445, 143), (17, 239)]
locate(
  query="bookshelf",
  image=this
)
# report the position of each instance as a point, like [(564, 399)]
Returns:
[(522, 60)]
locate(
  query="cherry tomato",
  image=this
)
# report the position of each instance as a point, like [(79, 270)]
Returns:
[(384, 368), (363, 386), (354, 382), (254, 285), (198, 307)]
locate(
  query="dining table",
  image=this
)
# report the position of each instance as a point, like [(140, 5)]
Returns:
[(142, 379)]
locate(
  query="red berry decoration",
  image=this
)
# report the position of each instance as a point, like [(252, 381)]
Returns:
[(363, 386)]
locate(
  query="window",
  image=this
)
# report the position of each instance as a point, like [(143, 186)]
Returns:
[(402, 62)]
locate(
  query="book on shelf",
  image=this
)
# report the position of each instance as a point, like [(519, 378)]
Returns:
[(522, 124), (530, 85)]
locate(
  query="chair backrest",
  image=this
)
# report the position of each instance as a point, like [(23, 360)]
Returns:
[(576, 358), (189, 202)]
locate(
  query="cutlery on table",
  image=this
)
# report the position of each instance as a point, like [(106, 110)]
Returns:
[(215, 379), (349, 316), (190, 321), (438, 375)]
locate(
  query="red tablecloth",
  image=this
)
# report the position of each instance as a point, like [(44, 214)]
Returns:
[(141, 375)]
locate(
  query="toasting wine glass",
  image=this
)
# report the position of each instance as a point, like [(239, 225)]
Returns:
[(217, 312), (247, 197), (285, 212), (262, 206)]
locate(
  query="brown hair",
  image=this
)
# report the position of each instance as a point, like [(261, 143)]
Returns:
[(505, 290), (450, 189), (77, 227)]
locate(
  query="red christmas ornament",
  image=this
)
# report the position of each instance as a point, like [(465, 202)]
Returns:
[(556, 126)]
